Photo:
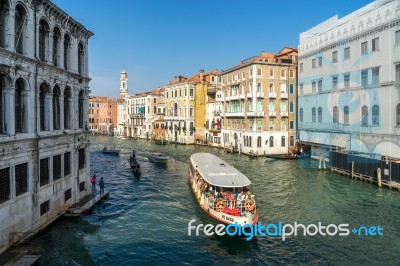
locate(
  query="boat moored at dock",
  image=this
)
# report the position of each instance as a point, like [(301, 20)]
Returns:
[(221, 190)]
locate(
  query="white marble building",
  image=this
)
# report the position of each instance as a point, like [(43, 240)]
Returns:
[(349, 82), (44, 162)]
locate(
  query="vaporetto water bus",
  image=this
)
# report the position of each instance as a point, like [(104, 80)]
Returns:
[(221, 190)]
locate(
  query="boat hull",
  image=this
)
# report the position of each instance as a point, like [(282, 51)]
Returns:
[(287, 157), (225, 218), (158, 158)]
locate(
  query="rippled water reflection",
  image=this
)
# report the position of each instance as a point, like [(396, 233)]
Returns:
[(145, 220)]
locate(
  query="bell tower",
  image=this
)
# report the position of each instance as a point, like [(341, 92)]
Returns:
[(123, 90)]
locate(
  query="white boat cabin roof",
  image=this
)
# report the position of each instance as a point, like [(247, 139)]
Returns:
[(217, 172)]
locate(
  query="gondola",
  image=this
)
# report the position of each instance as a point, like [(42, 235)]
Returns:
[(134, 165), (288, 156)]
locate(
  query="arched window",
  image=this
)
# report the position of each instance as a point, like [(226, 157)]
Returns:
[(67, 42), (259, 89), (244, 141), (364, 116), (271, 88), (19, 26), (42, 103), (314, 115), (259, 142), (283, 141), (346, 115), (56, 45), (375, 115), (291, 107), (271, 141), (335, 114), (67, 108), (43, 39), (80, 109), (3, 12), (283, 87), (319, 114), (301, 114), (398, 115), (81, 59), (250, 144), (19, 107), (56, 108), (175, 109)]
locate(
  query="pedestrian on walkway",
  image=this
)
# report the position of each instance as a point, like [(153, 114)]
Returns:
[(101, 184), (93, 181)]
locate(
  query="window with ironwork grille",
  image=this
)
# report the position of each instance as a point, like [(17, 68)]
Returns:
[(56, 167), (67, 194), (44, 207), (21, 179), (44, 171), (82, 186), (81, 159), (4, 184), (67, 163)]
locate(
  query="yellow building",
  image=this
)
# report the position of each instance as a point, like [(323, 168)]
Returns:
[(185, 107)]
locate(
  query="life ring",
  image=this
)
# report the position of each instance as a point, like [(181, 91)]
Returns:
[(249, 205), (220, 205)]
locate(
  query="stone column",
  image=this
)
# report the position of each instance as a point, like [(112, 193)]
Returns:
[(61, 104), (48, 111), (49, 52), (61, 53), (9, 29), (9, 108), (26, 115)]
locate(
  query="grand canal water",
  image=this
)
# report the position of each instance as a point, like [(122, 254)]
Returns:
[(145, 221)]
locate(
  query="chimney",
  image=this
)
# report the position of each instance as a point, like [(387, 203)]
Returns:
[(201, 75)]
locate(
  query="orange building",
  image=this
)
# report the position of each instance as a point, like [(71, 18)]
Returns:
[(102, 115)]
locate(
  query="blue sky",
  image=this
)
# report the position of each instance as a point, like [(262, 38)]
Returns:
[(156, 40)]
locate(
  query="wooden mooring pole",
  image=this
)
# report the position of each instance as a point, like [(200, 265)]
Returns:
[(379, 174)]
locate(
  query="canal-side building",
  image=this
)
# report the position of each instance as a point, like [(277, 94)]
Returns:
[(144, 110), (102, 115), (214, 111), (44, 88), (186, 107), (260, 104), (349, 83)]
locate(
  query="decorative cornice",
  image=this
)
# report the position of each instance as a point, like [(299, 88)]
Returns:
[(395, 22)]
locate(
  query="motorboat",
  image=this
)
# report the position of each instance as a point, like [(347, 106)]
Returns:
[(221, 190), (110, 150), (158, 157)]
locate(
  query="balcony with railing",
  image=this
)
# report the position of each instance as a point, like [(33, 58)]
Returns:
[(272, 113), (249, 95), (233, 97), (272, 95), (260, 94), (234, 114), (212, 90), (255, 114), (175, 118), (136, 115), (284, 95), (284, 114)]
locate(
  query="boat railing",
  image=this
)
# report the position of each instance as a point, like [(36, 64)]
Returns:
[(231, 205)]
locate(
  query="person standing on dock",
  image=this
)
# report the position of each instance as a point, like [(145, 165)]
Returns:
[(101, 184), (93, 181)]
